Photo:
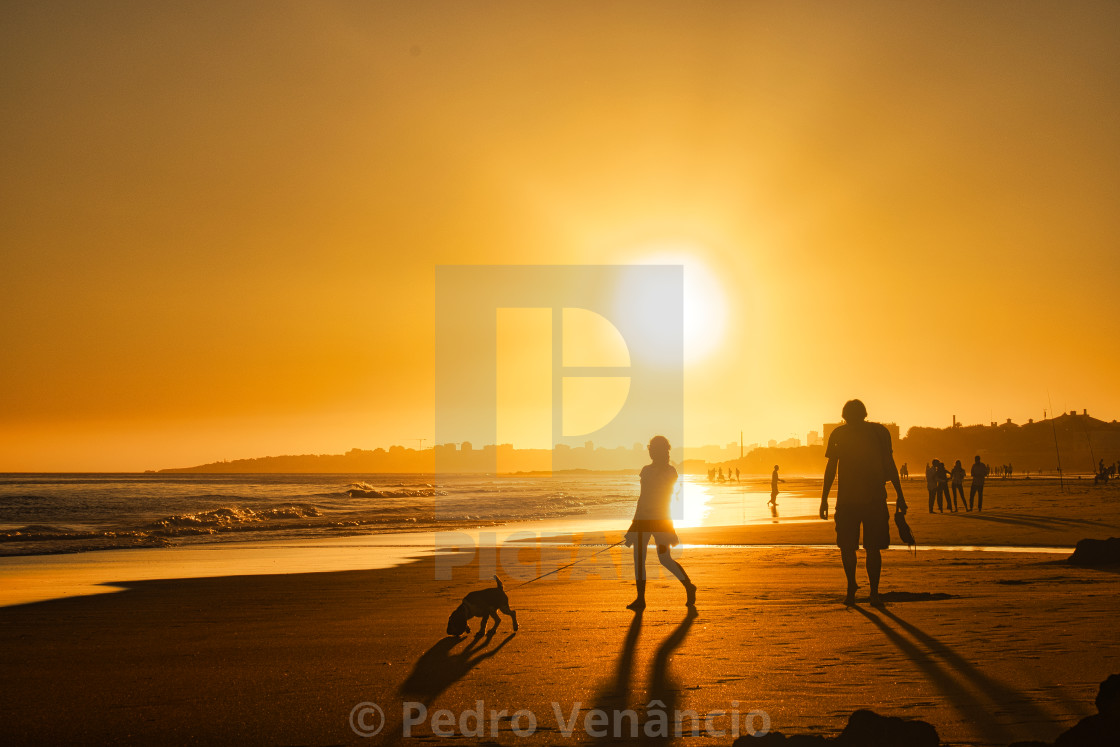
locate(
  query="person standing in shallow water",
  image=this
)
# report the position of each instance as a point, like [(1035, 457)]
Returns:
[(774, 480), (861, 454), (652, 519)]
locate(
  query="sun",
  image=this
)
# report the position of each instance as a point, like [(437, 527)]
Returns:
[(705, 301)]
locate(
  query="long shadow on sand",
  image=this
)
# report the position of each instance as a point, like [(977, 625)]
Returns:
[(628, 720), (662, 685), (615, 695), (978, 698), (438, 668), (1083, 522), (1034, 522)]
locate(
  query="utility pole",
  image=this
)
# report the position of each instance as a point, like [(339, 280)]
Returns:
[(740, 444), (421, 440)]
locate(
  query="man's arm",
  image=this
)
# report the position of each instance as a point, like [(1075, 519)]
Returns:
[(829, 476), (892, 474), (900, 502)]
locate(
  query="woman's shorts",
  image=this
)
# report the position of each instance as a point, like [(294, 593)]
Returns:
[(875, 519), (662, 531)]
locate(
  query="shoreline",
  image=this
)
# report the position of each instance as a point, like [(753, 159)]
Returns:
[(1024, 514)]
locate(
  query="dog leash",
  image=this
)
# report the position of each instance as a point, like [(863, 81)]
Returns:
[(569, 565)]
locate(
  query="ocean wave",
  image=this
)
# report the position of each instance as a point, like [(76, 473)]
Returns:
[(228, 519), (234, 518), (46, 532), (363, 490)]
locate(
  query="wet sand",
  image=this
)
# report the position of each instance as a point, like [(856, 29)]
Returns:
[(990, 647)]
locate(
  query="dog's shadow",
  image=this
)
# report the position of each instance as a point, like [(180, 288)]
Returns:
[(440, 667)]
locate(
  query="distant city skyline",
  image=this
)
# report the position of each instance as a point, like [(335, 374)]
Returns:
[(1032, 445), (713, 453)]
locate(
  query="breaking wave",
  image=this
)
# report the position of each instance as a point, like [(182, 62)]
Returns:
[(364, 490), (228, 519)]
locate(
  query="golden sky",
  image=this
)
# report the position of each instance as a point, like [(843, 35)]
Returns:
[(221, 221)]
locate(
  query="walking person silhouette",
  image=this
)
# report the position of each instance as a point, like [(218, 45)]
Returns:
[(774, 480), (652, 519), (861, 453)]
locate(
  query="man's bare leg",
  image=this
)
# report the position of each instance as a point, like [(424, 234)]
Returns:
[(848, 558), (874, 569)]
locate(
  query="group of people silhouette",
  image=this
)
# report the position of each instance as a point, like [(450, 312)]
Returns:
[(1106, 473), (940, 480), (716, 475)]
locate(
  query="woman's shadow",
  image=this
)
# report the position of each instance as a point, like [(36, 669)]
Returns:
[(439, 668), (662, 685), (616, 694), (626, 720)]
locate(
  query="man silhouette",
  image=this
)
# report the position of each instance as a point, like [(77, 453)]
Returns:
[(862, 455), (774, 480), (976, 491), (941, 480)]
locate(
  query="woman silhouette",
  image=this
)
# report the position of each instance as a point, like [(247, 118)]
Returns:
[(651, 518)]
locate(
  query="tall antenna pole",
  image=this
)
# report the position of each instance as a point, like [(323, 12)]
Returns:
[(740, 444), (1092, 456), (1054, 427)]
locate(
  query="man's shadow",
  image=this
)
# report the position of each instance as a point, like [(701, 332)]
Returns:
[(1052, 523), (973, 694), (438, 668)]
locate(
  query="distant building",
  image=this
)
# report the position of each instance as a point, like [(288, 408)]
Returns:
[(773, 444), (813, 439)]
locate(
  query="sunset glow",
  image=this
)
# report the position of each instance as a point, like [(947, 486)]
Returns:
[(219, 241)]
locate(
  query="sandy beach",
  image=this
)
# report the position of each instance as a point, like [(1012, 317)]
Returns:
[(989, 645)]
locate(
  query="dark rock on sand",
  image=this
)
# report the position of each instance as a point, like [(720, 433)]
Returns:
[(869, 729), (1095, 552), (1108, 695), (1099, 730), (777, 739), (864, 729), (1103, 728)]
